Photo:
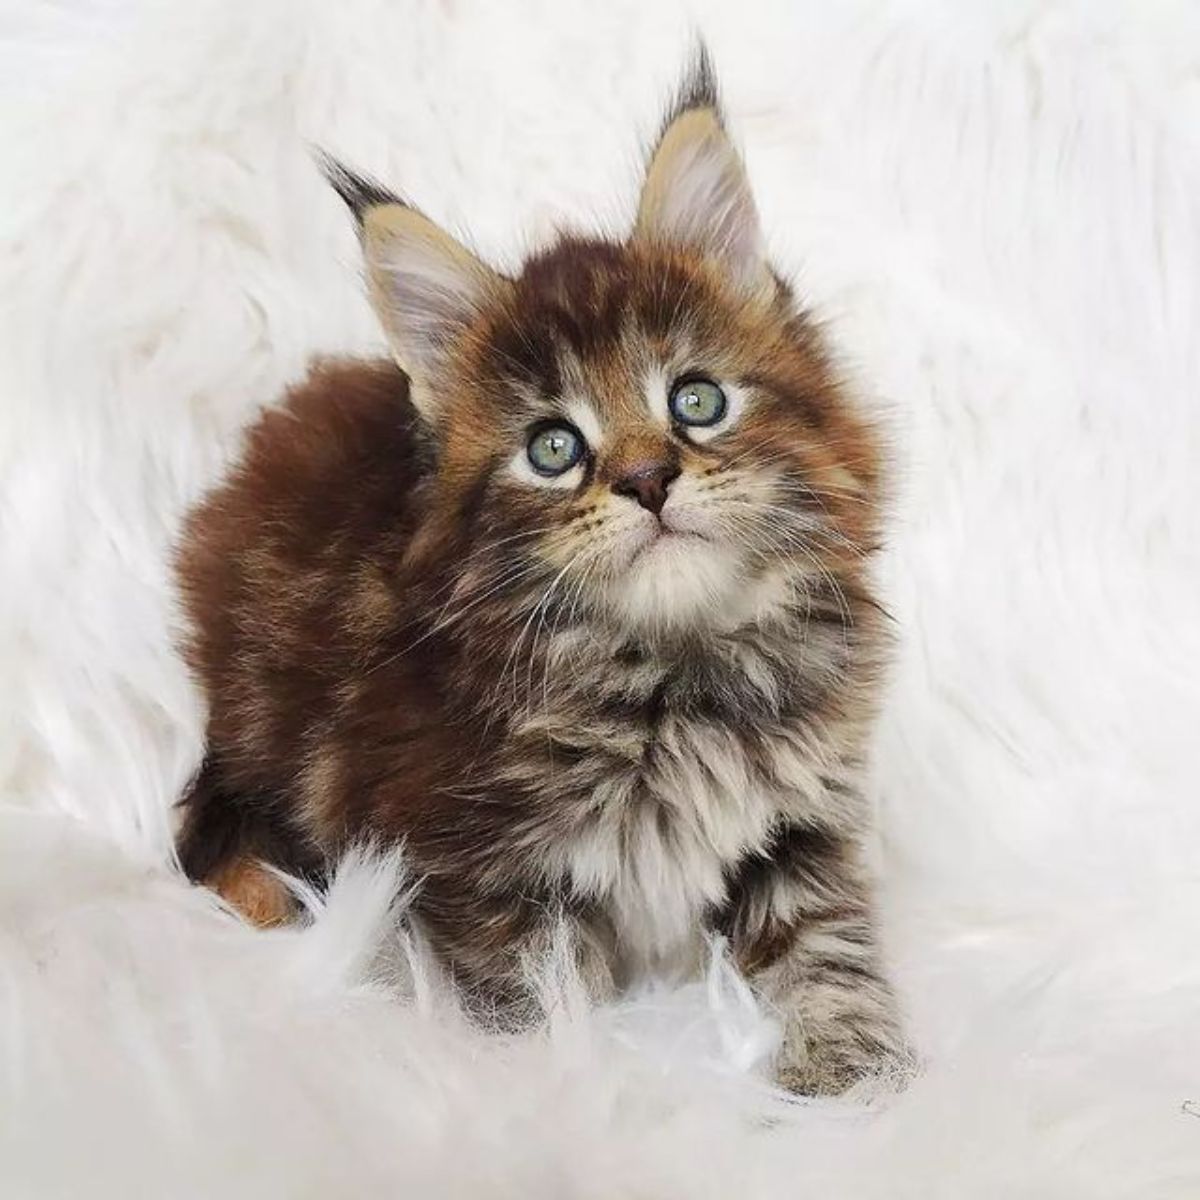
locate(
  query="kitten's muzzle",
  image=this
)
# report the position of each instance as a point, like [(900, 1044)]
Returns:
[(648, 484)]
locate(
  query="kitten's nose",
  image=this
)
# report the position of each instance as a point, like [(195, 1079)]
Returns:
[(647, 483)]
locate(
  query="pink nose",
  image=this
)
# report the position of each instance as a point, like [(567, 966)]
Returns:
[(647, 483)]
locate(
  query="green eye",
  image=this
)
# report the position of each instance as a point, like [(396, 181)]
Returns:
[(554, 449), (697, 402)]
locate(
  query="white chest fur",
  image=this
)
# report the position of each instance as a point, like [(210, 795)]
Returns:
[(663, 808), (661, 837)]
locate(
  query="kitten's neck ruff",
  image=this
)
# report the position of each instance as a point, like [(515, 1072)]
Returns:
[(789, 647), (653, 610), (789, 608)]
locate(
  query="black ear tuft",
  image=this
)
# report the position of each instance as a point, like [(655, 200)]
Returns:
[(358, 192), (697, 89)]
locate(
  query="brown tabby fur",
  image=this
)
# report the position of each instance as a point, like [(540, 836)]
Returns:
[(401, 638)]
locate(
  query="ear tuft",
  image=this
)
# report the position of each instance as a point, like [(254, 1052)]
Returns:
[(359, 193), (697, 89)]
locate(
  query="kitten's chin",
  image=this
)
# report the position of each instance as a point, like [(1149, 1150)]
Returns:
[(677, 581)]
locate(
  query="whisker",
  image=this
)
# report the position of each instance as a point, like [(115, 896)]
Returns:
[(814, 521), (782, 541), (512, 657), (445, 621)]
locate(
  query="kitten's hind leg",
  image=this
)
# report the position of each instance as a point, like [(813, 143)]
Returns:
[(225, 841), (261, 897)]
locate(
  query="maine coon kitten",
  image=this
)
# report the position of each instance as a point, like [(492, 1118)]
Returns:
[(573, 601)]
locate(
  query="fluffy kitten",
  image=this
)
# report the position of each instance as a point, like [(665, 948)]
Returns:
[(572, 601)]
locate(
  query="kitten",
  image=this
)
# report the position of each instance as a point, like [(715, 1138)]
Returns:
[(573, 601)]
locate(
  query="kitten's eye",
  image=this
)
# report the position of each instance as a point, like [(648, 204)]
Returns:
[(554, 449), (697, 402)]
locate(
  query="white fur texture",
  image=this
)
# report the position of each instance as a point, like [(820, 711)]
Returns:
[(997, 208)]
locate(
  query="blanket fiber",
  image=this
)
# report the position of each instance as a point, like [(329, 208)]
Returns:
[(996, 210)]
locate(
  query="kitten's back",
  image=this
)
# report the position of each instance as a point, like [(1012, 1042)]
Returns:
[(292, 558)]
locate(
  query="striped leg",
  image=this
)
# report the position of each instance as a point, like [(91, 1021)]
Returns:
[(799, 921), (839, 1014)]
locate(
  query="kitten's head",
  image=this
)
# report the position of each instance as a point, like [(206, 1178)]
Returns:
[(646, 430)]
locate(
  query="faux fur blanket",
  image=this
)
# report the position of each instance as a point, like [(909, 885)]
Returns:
[(997, 210)]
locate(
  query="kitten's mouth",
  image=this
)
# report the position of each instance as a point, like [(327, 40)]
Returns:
[(664, 537), (673, 576)]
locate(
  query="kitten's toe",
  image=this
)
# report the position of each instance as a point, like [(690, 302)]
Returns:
[(833, 1067), (260, 896)]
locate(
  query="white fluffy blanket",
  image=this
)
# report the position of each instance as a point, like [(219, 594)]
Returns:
[(997, 208)]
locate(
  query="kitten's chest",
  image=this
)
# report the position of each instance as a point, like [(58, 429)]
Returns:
[(657, 790), (658, 851)]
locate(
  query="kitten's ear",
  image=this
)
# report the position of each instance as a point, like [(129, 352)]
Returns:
[(696, 192), (425, 286)]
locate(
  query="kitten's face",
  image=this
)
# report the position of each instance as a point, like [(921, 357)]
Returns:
[(668, 447), (645, 431)]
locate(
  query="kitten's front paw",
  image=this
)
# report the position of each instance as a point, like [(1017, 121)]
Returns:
[(832, 1063)]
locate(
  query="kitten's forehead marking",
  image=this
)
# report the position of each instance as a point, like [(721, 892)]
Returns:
[(656, 383), (585, 418)]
